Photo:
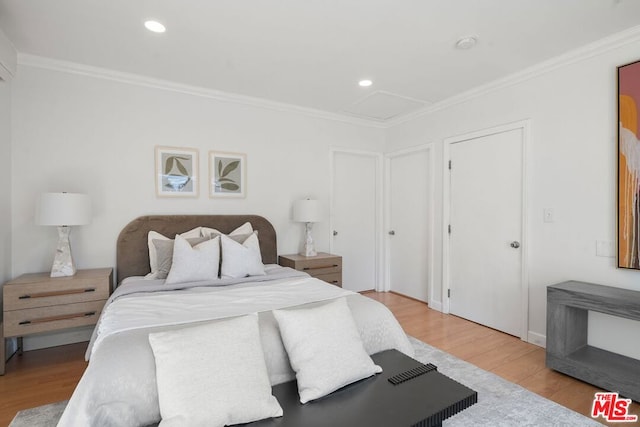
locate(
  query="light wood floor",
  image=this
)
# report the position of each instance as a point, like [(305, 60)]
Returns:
[(50, 375), (504, 355)]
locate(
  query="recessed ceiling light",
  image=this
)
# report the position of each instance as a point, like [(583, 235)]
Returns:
[(155, 26), (465, 43), (365, 83)]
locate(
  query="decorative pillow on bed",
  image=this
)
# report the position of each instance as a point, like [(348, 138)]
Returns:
[(164, 254), (193, 389), (241, 258), (324, 348), (153, 259), (245, 228), (194, 264)]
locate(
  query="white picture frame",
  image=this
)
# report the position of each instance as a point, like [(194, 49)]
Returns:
[(227, 175), (176, 172)]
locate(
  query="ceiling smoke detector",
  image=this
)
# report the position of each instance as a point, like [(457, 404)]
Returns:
[(465, 43)]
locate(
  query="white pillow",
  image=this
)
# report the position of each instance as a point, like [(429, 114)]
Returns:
[(153, 256), (324, 348), (213, 374), (194, 264), (241, 259), (245, 228), (164, 254)]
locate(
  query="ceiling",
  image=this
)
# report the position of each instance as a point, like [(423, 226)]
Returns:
[(312, 53)]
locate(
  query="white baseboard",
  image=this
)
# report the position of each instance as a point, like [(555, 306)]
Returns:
[(537, 339), (436, 305), (54, 339)]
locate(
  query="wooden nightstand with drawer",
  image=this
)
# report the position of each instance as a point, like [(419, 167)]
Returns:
[(323, 266), (36, 303)]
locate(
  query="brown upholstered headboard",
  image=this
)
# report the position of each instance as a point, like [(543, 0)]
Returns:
[(132, 251)]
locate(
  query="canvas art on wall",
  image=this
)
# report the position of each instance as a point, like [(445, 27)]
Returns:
[(176, 172), (629, 166), (227, 174)]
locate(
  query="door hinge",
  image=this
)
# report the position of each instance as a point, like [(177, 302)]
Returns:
[(448, 293), (449, 164), (449, 228)]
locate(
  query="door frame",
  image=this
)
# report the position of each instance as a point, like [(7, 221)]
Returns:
[(525, 127), (378, 285), (430, 212)]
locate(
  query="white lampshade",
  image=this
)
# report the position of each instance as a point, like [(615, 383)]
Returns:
[(63, 209), (306, 211)]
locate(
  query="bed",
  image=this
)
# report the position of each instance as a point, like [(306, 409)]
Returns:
[(119, 385)]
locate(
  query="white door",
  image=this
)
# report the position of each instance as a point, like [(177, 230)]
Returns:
[(409, 220), (355, 207), (485, 242)]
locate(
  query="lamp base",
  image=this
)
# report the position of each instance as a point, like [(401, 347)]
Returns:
[(63, 265), (308, 248)]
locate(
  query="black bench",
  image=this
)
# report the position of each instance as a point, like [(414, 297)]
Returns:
[(424, 400)]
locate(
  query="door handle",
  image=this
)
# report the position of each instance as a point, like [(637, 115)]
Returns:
[(335, 233), (392, 233), (515, 244)]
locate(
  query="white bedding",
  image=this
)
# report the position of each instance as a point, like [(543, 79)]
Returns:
[(193, 305), (119, 385)]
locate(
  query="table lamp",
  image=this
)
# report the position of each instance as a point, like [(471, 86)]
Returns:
[(307, 211), (63, 210)]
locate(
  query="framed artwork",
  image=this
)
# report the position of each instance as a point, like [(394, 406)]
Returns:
[(227, 174), (176, 172), (629, 166)]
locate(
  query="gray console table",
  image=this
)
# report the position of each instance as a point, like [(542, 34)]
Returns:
[(568, 304)]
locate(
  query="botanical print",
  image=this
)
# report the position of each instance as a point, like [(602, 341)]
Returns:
[(227, 175), (176, 172), (628, 166), (227, 172)]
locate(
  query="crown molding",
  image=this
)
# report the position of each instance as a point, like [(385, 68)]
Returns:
[(8, 57), (596, 48), (590, 50), (140, 80)]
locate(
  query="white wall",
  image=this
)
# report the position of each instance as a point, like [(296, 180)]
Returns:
[(572, 164), (5, 193), (5, 178), (86, 134), (7, 68)]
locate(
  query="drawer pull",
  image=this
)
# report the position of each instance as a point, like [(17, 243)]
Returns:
[(320, 267), (57, 293), (55, 318)]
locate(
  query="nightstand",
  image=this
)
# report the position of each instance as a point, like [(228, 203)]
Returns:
[(36, 303), (323, 266)]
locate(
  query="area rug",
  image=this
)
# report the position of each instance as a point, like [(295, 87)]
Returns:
[(500, 402), (41, 416)]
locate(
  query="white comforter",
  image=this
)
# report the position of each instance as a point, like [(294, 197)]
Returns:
[(119, 385)]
